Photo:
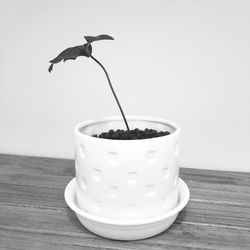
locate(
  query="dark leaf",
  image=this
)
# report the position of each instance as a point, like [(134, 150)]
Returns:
[(81, 50), (69, 53), (91, 39), (51, 67), (72, 53)]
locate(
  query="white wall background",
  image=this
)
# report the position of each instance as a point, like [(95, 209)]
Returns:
[(186, 61)]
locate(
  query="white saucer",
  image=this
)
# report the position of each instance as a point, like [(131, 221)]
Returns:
[(126, 230)]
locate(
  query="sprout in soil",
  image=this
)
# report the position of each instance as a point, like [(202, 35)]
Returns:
[(86, 50)]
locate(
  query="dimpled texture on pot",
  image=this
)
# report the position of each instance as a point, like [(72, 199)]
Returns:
[(129, 179)]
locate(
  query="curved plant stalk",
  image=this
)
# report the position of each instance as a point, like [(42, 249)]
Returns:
[(112, 89), (86, 50)]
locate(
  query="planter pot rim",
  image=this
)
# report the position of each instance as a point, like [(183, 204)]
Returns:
[(129, 117)]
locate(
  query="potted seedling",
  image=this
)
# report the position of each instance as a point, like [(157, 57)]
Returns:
[(126, 167)]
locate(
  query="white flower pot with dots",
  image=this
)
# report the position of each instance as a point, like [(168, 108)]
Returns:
[(124, 189), (126, 179)]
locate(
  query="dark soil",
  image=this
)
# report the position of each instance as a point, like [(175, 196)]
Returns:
[(133, 134)]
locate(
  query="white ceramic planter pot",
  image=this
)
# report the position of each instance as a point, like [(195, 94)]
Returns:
[(126, 179)]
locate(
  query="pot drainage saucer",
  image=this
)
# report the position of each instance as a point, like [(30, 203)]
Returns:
[(126, 230)]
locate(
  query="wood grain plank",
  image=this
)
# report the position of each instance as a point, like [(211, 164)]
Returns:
[(34, 228), (198, 211), (229, 194), (36, 171), (217, 176), (65, 167), (43, 165)]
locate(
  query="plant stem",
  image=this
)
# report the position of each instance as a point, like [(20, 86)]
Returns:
[(112, 89)]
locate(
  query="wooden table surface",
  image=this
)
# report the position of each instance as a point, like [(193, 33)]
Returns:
[(34, 215)]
